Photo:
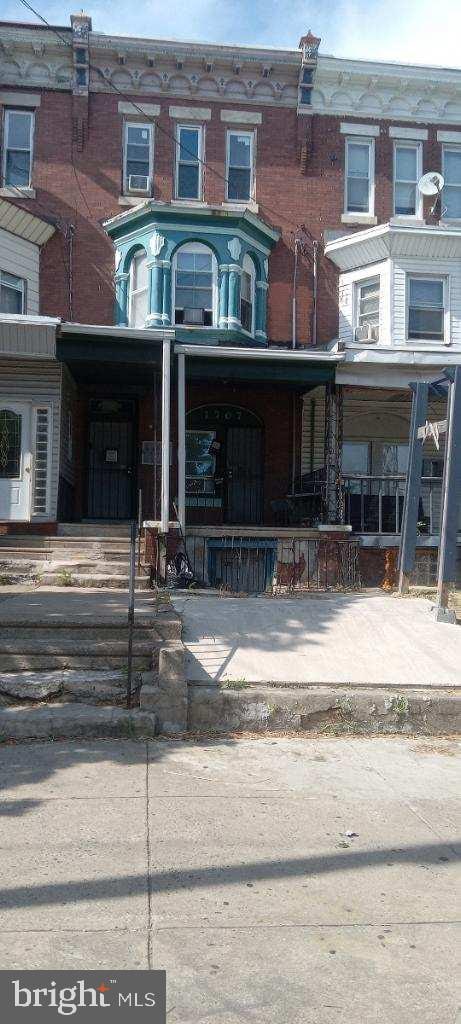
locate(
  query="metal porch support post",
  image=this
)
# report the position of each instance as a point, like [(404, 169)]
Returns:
[(182, 440), (450, 502), (413, 488), (333, 453), (165, 487)]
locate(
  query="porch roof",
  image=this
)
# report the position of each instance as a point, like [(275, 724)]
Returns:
[(111, 354), (270, 365)]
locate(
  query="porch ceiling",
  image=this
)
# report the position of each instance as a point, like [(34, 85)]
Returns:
[(293, 368), (107, 356)]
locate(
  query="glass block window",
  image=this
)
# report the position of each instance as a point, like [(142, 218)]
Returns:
[(10, 444), (42, 444)]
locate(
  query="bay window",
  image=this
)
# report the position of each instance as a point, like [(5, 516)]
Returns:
[(240, 166), (139, 287), (247, 291), (452, 187), (12, 293), (17, 150), (359, 196), (367, 310), (426, 308), (188, 162), (407, 171), (195, 278)]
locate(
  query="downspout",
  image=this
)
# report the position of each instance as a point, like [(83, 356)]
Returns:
[(315, 246), (293, 310)]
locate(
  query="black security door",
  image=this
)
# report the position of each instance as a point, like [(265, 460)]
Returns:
[(111, 460), (244, 475)]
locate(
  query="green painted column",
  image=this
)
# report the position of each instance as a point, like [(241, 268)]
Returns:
[(121, 299), (223, 297), (167, 312), (155, 305)]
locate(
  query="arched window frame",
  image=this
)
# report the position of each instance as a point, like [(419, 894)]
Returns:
[(196, 247), (248, 276), (135, 292)]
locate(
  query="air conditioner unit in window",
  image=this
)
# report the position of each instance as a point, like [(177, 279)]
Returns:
[(139, 183), (193, 315), (368, 332)]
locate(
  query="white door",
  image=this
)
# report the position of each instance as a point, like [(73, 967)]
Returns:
[(15, 461)]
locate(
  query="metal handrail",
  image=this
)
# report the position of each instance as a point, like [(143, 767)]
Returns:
[(131, 608), (372, 520)]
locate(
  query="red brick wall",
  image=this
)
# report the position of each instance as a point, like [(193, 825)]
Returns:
[(299, 180)]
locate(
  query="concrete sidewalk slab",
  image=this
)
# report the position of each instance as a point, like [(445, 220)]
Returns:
[(331, 639), (227, 863)]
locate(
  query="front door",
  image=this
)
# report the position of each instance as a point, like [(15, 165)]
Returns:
[(111, 476), (15, 462), (244, 474)]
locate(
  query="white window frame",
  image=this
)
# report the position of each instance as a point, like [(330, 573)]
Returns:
[(200, 128), (357, 140), (196, 247), (150, 127), (252, 136), (449, 146), (408, 144), (6, 130), (22, 290), (136, 291), (358, 285), (410, 276)]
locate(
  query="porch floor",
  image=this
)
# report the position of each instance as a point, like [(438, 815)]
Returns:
[(367, 639)]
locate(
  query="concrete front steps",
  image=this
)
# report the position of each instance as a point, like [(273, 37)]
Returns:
[(70, 721), (81, 555), (48, 646)]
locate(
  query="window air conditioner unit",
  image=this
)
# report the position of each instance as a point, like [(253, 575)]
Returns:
[(369, 332), (139, 183), (194, 316)]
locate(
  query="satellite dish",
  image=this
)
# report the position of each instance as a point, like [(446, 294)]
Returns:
[(431, 184)]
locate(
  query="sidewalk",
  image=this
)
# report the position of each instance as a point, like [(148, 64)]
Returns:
[(230, 865)]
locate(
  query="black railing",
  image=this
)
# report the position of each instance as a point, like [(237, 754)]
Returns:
[(374, 504)]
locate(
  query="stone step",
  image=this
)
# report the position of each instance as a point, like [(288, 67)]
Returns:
[(69, 721), (88, 567), (109, 581), (44, 544), (94, 641), (43, 661), (91, 528), (71, 684)]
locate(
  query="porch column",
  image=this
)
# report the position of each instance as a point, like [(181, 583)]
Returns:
[(261, 310), (234, 296), (333, 454), (121, 299), (223, 297), (447, 574), (165, 487), (182, 440), (155, 305), (166, 297), (409, 532)]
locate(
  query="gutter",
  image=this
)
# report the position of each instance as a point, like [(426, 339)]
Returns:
[(259, 355)]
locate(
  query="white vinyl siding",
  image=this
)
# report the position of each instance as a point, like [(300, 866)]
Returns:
[(39, 383), (359, 189), (21, 258)]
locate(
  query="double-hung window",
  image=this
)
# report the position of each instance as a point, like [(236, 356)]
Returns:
[(360, 163), (18, 148), (194, 285), (452, 187), (12, 293), (247, 292), (138, 158), (407, 171), (240, 166), (367, 310), (139, 287), (189, 146), (426, 308)]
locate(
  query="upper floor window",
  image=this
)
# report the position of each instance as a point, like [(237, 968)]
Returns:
[(240, 166), (407, 171), (12, 293), (359, 176), (195, 284), (247, 293), (426, 308), (189, 147), (367, 310), (139, 285), (138, 158), (452, 187), (18, 146)]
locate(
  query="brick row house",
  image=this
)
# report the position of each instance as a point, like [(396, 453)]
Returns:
[(218, 278)]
